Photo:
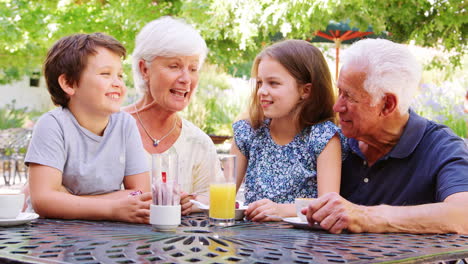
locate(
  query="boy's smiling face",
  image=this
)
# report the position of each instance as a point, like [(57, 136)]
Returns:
[(101, 88)]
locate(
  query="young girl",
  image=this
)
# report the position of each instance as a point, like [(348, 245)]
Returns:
[(289, 147), (81, 152)]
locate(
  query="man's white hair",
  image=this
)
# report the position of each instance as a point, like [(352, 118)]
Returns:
[(165, 37), (389, 68)]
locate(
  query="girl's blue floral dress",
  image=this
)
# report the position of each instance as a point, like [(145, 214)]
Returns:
[(283, 173)]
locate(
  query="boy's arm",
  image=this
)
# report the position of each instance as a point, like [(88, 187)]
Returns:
[(140, 182), (132, 183), (329, 167), (50, 199)]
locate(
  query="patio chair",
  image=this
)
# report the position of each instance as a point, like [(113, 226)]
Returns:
[(13, 145)]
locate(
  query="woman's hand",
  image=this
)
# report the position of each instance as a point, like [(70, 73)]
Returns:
[(186, 205), (258, 210), (134, 209)]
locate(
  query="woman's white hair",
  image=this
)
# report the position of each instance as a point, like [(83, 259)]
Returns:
[(165, 37), (389, 68)]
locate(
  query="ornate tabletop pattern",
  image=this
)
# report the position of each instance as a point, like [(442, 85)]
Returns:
[(195, 241)]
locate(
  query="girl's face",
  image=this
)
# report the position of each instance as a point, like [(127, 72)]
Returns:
[(277, 90), (171, 80)]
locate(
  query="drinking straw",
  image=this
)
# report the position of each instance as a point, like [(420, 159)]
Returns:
[(160, 193), (155, 193)]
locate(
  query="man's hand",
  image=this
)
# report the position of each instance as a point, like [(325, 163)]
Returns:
[(335, 214)]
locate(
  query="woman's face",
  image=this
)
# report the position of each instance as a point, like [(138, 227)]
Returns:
[(171, 80)]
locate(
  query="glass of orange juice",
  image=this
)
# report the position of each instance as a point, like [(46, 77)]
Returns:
[(223, 191)]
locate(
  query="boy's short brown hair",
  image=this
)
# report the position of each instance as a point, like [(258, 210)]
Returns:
[(69, 56)]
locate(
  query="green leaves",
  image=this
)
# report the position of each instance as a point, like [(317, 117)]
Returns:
[(234, 30), (10, 116)]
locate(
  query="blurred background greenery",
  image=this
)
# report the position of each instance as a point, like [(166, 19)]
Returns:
[(235, 31)]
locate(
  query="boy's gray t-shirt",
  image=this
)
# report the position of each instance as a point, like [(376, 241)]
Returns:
[(90, 164)]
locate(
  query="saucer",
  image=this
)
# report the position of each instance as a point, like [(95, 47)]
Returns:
[(239, 214), (296, 222), (164, 228), (22, 218)]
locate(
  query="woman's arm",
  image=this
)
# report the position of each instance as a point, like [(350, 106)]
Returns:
[(50, 199), (203, 159), (329, 167), (241, 164)]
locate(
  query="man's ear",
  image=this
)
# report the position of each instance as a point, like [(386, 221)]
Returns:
[(65, 85), (390, 104), (306, 89)]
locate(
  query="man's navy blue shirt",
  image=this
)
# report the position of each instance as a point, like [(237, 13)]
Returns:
[(428, 164)]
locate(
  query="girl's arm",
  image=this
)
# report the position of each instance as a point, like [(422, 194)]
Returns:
[(50, 199), (328, 180), (329, 167), (241, 164)]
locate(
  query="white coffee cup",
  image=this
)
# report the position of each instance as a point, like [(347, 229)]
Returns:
[(165, 217), (10, 205), (300, 204)]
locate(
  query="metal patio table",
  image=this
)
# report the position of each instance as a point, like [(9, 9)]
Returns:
[(195, 241)]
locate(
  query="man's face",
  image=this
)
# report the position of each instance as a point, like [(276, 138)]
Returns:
[(358, 119)]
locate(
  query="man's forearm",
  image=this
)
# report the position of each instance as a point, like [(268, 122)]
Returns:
[(443, 217)]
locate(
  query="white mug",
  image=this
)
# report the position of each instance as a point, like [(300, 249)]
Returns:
[(165, 217), (300, 204), (11, 205)]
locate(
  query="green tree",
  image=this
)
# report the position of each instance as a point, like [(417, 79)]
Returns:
[(235, 30), (29, 28), (247, 23)]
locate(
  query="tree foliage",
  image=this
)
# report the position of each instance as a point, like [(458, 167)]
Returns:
[(235, 30)]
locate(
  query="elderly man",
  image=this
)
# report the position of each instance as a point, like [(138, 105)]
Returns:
[(404, 173)]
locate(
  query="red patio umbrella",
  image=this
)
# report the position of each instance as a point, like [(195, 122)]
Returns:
[(341, 32)]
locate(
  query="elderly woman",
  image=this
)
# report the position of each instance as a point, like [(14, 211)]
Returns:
[(166, 62)]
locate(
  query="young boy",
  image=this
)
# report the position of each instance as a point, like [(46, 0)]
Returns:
[(82, 151)]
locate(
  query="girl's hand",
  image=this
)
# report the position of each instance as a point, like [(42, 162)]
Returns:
[(186, 205), (133, 209), (258, 211)]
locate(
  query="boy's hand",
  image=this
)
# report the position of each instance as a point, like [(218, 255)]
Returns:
[(134, 209)]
